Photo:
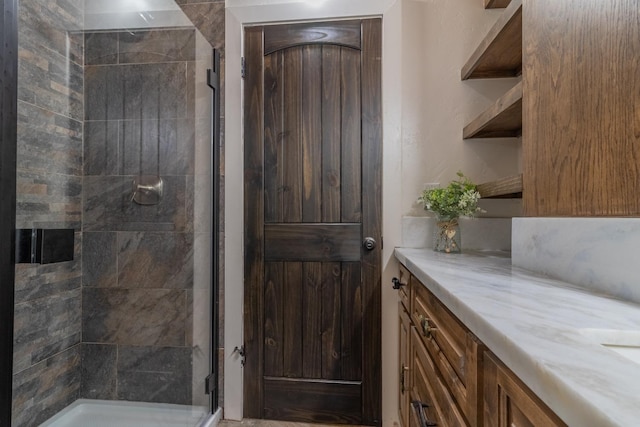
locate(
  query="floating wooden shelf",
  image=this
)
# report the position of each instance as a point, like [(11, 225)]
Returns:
[(496, 4), (505, 188), (500, 52), (502, 120)]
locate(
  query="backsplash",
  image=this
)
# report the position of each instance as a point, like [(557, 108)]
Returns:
[(598, 254), (489, 234)]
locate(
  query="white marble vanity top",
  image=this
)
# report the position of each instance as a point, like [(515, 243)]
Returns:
[(540, 328)]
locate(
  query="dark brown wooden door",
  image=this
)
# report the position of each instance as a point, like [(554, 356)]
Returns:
[(313, 137)]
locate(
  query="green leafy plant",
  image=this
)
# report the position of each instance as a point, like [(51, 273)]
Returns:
[(459, 198)]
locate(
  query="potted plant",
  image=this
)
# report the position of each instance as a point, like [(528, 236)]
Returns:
[(459, 198)]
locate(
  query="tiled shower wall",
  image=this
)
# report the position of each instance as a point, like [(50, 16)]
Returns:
[(139, 262), (48, 297), (138, 286)]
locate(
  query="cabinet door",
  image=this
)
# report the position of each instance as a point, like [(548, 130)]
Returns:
[(509, 403), (454, 350), (405, 361)]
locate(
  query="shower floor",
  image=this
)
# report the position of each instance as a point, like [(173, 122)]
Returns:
[(105, 413)]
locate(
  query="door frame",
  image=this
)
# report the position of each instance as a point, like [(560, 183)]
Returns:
[(371, 261), (8, 149), (237, 18)]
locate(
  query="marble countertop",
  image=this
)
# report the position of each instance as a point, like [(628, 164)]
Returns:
[(537, 327)]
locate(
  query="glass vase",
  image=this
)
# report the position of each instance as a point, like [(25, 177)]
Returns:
[(447, 236)]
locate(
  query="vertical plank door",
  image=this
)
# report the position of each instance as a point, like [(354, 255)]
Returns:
[(313, 136)]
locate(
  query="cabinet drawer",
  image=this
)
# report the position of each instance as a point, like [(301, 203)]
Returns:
[(429, 389), (454, 350), (508, 402), (404, 293), (435, 322)]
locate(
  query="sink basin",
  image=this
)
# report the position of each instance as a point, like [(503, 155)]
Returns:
[(624, 342)]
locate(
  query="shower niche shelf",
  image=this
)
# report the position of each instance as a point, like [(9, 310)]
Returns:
[(44, 246)]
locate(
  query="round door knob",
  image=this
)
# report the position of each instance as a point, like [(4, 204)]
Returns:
[(369, 243)]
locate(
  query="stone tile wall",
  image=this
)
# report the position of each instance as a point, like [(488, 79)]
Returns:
[(137, 101), (208, 17), (140, 261), (50, 132)]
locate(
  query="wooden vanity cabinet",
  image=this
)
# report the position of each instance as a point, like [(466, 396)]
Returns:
[(508, 402), (439, 360), (451, 379)]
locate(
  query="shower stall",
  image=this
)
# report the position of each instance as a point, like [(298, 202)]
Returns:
[(109, 247)]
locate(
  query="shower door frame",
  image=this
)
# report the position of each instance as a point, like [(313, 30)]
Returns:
[(214, 83), (8, 148)]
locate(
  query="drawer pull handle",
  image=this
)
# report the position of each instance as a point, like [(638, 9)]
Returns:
[(403, 379), (419, 407), (427, 329), (397, 284)]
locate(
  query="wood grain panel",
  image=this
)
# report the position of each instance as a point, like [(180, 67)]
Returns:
[(351, 188), (254, 223), (372, 218), (427, 306), (312, 242), (331, 320), (319, 291), (510, 186), (508, 401), (503, 119), (312, 320), (273, 318), (344, 33), (496, 4), (473, 405), (8, 149), (309, 401), (292, 141), (431, 388), (293, 319), (312, 133), (351, 321), (581, 120), (331, 131), (273, 137)]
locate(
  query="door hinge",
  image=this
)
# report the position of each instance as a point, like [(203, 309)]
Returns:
[(240, 350), (243, 67), (209, 384)]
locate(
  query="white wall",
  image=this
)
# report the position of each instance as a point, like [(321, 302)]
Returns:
[(425, 44), (438, 38)]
